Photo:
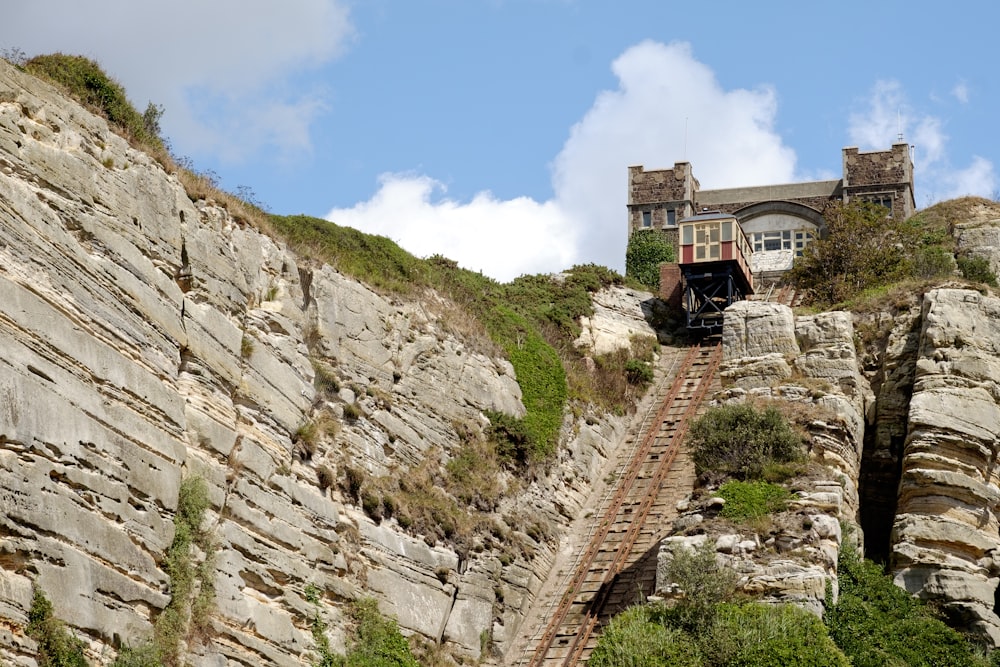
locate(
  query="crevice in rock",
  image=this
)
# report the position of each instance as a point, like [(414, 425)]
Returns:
[(305, 280), (878, 487), (183, 276)]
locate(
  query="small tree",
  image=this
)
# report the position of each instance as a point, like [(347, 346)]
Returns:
[(703, 582), (647, 249), (863, 248)]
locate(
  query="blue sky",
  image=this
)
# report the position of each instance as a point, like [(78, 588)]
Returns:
[(498, 132)]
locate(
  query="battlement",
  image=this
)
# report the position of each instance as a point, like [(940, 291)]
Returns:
[(775, 217)]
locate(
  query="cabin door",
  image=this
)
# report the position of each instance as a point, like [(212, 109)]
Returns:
[(706, 241)]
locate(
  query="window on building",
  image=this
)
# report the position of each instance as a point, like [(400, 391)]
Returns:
[(671, 217), (647, 218), (803, 238), (778, 240), (883, 199)]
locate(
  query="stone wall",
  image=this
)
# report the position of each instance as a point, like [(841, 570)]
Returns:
[(881, 173)]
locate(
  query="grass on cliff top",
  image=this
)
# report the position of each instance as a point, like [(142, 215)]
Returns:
[(85, 81), (91, 86), (533, 319), (866, 256)]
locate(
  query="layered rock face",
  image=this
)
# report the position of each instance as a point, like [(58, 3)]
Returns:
[(810, 364), (924, 447), (146, 338), (945, 534)]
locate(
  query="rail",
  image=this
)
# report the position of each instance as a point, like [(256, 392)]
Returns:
[(567, 639)]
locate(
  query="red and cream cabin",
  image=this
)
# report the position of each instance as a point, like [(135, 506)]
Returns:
[(715, 237)]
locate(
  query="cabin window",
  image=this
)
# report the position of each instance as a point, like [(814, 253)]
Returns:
[(647, 218), (727, 231), (687, 234), (706, 241)]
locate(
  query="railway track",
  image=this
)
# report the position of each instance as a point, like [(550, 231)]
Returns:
[(618, 565)]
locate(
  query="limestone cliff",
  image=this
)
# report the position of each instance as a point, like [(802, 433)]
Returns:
[(146, 338), (903, 444)]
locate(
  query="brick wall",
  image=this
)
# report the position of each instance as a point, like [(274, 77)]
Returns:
[(671, 285)]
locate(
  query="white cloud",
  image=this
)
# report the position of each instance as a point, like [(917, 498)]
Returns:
[(961, 92), (662, 89), (234, 52), (979, 178), (887, 113), (885, 117), (502, 239)]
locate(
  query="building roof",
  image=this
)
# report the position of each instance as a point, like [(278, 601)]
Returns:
[(708, 215)]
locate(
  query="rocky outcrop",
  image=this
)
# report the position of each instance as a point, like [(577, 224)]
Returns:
[(945, 533), (146, 338), (808, 366), (620, 313), (922, 445)]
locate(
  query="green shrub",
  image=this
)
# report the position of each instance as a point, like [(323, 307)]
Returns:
[(87, 82), (377, 641), (741, 441), (638, 638), (703, 582), (750, 500), (514, 443), (143, 655), (540, 375), (932, 262), (863, 248), (57, 647), (738, 635), (876, 623), (191, 588), (646, 250), (638, 372), (759, 635), (977, 269)]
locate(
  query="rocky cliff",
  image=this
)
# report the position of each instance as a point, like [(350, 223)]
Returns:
[(903, 443), (146, 338)]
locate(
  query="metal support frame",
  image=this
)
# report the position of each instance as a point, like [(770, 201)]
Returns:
[(706, 295)]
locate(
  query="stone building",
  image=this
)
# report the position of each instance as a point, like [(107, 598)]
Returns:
[(779, 220)]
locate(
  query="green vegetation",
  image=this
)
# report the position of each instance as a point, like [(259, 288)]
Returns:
[(873, 624), (865, 253), (192, 591), (741, 441), (752, 500), (761, 635), (375, 641), (977, 269), (876, 623), (56, 646), (646, 250), (705, 585), (640, 637), (86, 81), (863, 248), (703, 629)]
